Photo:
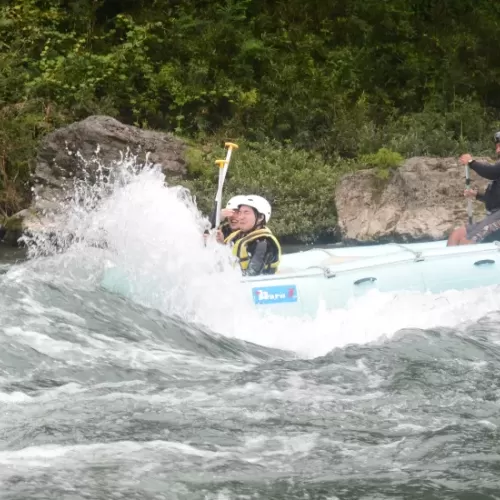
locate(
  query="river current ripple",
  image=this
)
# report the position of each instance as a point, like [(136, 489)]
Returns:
[(103, 398)]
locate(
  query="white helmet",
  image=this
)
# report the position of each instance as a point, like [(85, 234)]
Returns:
[(235, 202), (260, 204)]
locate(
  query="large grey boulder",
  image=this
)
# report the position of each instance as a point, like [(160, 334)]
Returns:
[(78, 151), (68, 152), (421, 200)]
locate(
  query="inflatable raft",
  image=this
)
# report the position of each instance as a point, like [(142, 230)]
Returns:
[(333, 277), (329, 278)]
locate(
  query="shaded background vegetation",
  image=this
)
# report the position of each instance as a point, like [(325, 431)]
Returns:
[(310, 87)]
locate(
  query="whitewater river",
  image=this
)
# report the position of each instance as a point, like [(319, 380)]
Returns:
[(182, 392)]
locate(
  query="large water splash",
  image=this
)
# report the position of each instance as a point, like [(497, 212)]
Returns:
[(128, 218)]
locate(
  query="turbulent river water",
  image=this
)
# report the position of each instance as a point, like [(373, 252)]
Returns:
[(182, 392)]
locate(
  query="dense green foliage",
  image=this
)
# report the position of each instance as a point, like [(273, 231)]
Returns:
[(299, 184), (336, 78)]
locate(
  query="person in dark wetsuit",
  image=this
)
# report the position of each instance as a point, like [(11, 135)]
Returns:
[(487, 229), (254, 245)]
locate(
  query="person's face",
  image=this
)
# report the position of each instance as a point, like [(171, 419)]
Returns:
[(233, 220), (246, 219)]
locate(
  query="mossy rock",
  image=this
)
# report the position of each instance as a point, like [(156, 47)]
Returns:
[(196, 163), (13, 227), (384, 164), (13, 224)]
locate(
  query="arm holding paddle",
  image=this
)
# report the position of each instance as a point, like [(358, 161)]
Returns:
[(487, 171), (486, 228)]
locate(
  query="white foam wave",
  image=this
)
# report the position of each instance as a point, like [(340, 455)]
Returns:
[(154, 234)]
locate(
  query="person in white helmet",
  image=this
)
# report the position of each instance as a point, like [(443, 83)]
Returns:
[(254, 245)]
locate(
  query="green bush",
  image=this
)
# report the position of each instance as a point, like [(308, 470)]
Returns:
[(383, 158), (20, 127)]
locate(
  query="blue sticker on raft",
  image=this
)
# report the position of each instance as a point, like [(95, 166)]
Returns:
[(274, 294)]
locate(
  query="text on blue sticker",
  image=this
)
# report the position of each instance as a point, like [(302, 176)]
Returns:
[(274, 294)]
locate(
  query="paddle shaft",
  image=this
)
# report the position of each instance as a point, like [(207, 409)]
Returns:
[(223, 167), (467, 186)]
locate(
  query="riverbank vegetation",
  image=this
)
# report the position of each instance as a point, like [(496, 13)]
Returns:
[(312, 88)]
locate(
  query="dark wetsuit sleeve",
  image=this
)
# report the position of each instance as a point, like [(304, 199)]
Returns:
[(481, 197), (486, 170), (258, 260), (225, 229)]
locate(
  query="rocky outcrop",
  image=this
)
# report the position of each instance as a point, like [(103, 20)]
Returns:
[(69, 152), (77, 151), (421, 200)]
